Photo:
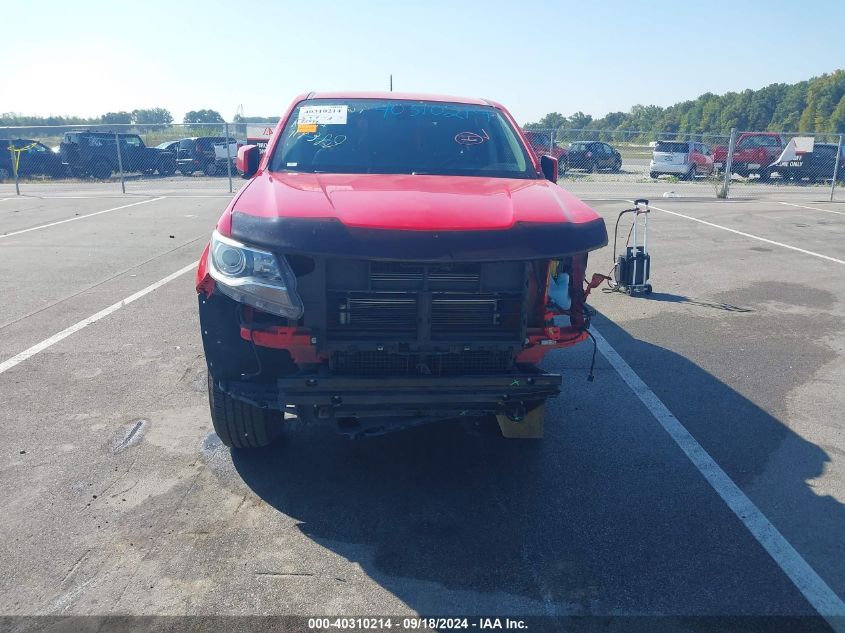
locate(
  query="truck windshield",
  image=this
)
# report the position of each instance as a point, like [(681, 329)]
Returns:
[(381, 136)]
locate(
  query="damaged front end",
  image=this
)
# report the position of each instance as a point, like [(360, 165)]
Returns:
[(379, 330)]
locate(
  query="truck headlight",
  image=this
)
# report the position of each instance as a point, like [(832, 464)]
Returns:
[(253, 276)]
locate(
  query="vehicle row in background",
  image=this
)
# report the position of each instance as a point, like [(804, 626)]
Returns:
[(586, 155), (207, 154), (89, 154), (93, 154)]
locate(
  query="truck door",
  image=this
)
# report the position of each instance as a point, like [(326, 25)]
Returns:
[(132, 152), (38, 159), (607, 157)]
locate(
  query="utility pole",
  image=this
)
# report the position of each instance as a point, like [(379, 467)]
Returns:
[(391, 82)]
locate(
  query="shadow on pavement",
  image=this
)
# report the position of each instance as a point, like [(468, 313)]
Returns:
[(604, 516), (672, 298)]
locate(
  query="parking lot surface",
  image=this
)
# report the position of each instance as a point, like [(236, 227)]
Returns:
[(120, 500)]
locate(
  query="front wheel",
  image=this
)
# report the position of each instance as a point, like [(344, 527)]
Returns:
[(617, 166), (691, 174), (166, 167), (241, 425), (210, 169), (101, 170), (653, 174)]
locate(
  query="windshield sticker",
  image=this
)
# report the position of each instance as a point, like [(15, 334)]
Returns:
[(292, 164), (306, 128), (470, 138), (444, 110), (327, 140), (323, 115)]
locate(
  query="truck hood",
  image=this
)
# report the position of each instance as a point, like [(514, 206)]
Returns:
[(413, 216), (405, 202)]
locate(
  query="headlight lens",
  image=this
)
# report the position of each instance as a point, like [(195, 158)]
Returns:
[(255, 277), (230, 259)]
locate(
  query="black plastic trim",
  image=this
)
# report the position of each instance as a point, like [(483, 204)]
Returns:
[(332, 237)]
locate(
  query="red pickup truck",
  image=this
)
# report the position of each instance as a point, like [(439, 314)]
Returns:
[(753, 153), (393, 260)]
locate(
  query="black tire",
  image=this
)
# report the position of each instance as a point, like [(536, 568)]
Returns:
[(210, 169), (241, 425), (653, 174), (186, 172), (691, 174), (647, 289), (617, 166), (594, 167), (166, 166), (765, 175), (101, 170)]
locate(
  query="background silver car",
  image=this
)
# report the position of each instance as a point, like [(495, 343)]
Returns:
[(685, 159)]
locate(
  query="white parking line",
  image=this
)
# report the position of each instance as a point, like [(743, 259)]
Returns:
[(809, 583), (80, 217), (749, 235), (40, 347), (801, 206)]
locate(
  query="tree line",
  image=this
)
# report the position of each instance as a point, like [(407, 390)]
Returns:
[(141, 116), (815, 105)]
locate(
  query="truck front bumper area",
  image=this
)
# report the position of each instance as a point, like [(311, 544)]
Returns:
[(372, 405)]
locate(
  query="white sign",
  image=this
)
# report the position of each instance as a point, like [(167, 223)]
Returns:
[(323, 115), (796, 146), (258, 132)]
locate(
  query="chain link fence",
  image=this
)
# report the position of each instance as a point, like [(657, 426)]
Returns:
[(593, 163), (131, 158), (607, 163)]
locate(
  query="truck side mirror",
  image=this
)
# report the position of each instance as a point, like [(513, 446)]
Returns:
[(247, 160), (549, 166)]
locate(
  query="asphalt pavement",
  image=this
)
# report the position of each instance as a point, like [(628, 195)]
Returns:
[(118, 498)]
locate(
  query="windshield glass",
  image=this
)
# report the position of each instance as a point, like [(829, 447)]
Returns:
[(673, 147), (380, 136)]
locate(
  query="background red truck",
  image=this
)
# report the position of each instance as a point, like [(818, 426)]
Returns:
[(753, 153), (541, 143)]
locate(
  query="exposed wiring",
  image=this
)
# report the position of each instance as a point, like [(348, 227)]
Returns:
[(612, 285), (592, 376)]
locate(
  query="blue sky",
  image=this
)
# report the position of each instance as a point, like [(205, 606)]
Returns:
[(89, 57)]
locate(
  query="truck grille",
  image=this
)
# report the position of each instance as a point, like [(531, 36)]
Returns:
[(374, 363), (388, 312), (437, 302)]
